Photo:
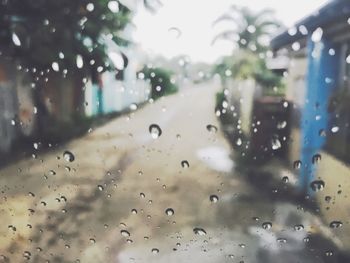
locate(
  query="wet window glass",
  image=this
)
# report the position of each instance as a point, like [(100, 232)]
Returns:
[(174, 131)]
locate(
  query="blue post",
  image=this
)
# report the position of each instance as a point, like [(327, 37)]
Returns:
[(322, 76)]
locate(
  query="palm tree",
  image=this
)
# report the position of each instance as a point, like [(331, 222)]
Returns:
[(251, 30)]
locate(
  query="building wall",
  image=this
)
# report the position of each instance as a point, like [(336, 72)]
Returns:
[(336, 176), (295, 93), (241, 95)]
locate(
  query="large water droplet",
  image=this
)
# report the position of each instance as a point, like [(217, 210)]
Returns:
[(298, 227), (266, 225), (124, 233), (169, 212), (90, 7), (317, 185), (55, 66), (199, 231), (79, 61), (68, 156), (185, 164), (297, 164), (214, 198), (281, 125), (335, 224), (276, 144), (285, 179), (15, 40), (211, 128), (155, 250), (155, 131), (113, 6)]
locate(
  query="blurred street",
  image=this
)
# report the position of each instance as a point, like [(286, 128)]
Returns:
[(123, 179)]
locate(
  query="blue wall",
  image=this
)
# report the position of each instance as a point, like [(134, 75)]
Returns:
[(322, 76)]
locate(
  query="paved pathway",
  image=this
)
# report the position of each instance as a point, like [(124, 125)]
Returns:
[(123, 179)]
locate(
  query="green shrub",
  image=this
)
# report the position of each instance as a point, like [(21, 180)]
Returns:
[(160, 80)]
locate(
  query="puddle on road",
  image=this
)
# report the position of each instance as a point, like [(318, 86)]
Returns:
[(217, 158)]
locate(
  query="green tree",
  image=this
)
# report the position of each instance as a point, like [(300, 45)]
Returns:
[(51, 39), (68, 33), (249, 30), (160, 80)]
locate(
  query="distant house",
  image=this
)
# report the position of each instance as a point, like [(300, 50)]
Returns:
[(318, 80), (119, 88)]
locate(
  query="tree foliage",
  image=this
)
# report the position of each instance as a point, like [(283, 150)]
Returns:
[(38, 33), (160, 80), (249, 30)]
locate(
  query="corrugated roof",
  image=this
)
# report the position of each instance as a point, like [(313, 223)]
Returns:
[(336, 10)]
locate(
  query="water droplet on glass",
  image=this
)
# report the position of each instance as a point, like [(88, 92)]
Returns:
[(297, 164), (100, 187), (329, 253), (328, 198), (276, 144), (124, 233), (214, 198), (113, 6), (155, 250), (306, 240), (169, 212), (281, 125), (266, 225), (335, 224), (92, 240), (239, 142), (79, 61), (134, 211), (317, 185), (211, 128), (335, 129), (317, 35), (199, 231), (322, 133), (282, 240), (155, 131), (316, 158), (185, 164), (133, 106), (175, 32), (90, 7), (15, 40), (285, 179), (55, 66), (298, 227), (68, 156)]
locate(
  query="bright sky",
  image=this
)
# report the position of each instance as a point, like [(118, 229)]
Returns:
[(194, 19)]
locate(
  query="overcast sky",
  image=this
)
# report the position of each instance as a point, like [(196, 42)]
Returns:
[(194, 19)]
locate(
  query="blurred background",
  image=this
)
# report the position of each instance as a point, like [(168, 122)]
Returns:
[(174, 131)]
